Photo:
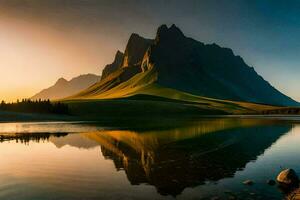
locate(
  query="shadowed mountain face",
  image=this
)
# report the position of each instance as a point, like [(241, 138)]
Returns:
[(132, 58), (126, 65), (114, 66), (135, 50), (63, 88), (208, 70), (184, 64)]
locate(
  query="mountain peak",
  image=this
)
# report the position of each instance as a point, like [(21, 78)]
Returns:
[(163, 28), (64, 88), (115, 65), (61, 81), (134, 37), (173, 32), (175, 29), (119, 53), (118, 58), (135, 49)]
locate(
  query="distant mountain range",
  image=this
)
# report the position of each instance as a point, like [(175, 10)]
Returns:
[(173, 65), (63, 88)]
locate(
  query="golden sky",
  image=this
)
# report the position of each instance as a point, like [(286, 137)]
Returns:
[(33, 56)]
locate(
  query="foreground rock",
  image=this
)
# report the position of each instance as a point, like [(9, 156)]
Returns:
[(288, 177), (294, 195), (248, 182)]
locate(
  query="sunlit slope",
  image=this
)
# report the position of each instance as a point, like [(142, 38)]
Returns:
[(114, 86), (142, 87)]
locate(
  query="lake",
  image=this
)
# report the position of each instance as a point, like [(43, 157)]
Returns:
[(199, 159)]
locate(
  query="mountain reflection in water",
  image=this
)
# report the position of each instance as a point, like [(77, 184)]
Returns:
[(176, 158), (172, 160)]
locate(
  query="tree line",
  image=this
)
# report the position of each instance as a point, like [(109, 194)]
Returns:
[(26, 138), (282, 111), (35, 106)]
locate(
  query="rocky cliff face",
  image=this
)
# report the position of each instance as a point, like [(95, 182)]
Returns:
[(129, 63), (135, 50), (208, 70), (114, 66), (188, 65), (125, 66)]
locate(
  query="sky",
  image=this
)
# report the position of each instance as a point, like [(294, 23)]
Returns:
[(43, 40)]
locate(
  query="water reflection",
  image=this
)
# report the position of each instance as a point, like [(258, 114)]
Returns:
[(172, 160), (175, 158), (27, 137), (46, 127)]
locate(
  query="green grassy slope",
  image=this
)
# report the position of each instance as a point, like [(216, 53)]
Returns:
[(113, 87), (140, 95)]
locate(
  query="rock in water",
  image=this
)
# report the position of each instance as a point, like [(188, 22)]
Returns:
[(288, 177), (248, 182), (294, 195)]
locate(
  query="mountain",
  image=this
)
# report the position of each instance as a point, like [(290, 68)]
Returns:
[(135, 50), (134, 53), (114, 66), (63, 88), (208, 70), (177, 67)]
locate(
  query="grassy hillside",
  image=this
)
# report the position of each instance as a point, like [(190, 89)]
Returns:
[(140, 95)]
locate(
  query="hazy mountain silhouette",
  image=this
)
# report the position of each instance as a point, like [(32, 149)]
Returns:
[(63, 88), (74, 140)]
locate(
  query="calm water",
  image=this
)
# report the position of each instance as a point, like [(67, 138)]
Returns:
[(199, 160)]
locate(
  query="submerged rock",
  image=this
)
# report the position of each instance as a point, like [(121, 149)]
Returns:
[(248, 182), (288, 177)]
